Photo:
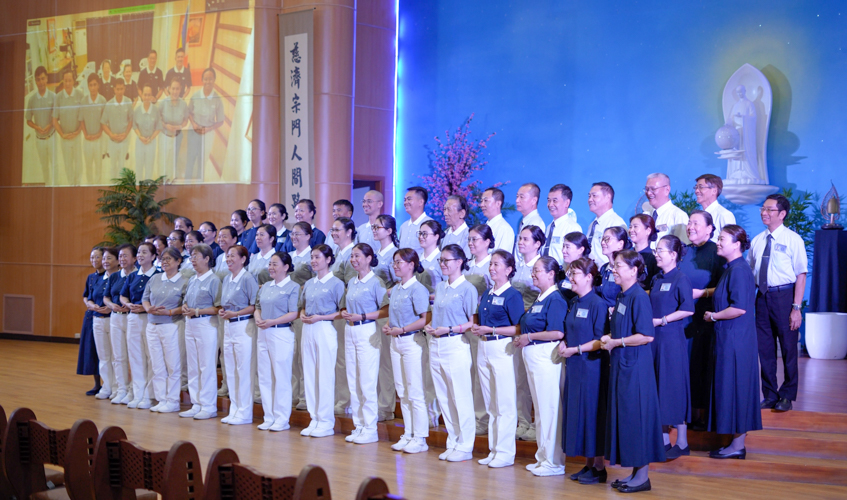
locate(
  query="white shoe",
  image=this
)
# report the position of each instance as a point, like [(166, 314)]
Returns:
[(308, 430), (385, 416), (354, 434), (366, 437), (319, 433), (171, 407), (342, 410), (459, 456), (223, 392), (183, 388), (155, 408), (118, 397), (240, 421), (257, 401), (103, 395), (127, 399), (205, 415), (546, 470), (401, 445), (520, 432), (265, 425), (194, 410), (226, 419), (531, 467), (133, 404), (279, 426), (144, 404), (497, 463), (301, 405), (446, 454), (481, 430), (417, 445), (529, 435), (487, 460)]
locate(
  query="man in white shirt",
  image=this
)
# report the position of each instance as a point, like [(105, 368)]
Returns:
[(559, 203), (372, 206), (707, 190), (341, 208), (491, 204), (526, 202), (455, 210), (779, 261), (601, 197), (669, 218), (414, 202)]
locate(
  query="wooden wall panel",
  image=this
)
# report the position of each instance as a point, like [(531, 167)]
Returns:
[(373, 152), (67, 309), (25, 224), (375, 67), (76, 226), (29, 279)]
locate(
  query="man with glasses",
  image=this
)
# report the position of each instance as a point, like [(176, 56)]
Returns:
[(669, 218), (779, 261), (707, 190), (414, 202), (601, 197), (491, 204), (372, 206)]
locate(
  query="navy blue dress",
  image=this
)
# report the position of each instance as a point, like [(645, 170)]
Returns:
[(671, 292), (704, 267), (318, 238), (505, 309), (248, 240), (734, 404), (607, 290), (633, 423), (87, 361), (650, 267), (586, 379)]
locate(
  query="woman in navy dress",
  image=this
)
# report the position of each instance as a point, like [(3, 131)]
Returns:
[(87, 361), (734, 404), (633, 422), (576, 246), (642, 232), (672, 301), (703, 266), (614, 240), (586, 374)]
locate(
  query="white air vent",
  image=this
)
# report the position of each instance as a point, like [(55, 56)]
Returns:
[(18, 314)]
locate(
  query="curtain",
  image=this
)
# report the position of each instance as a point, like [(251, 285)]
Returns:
[(128, 36)]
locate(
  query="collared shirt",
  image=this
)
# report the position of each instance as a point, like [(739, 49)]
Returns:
[(154, 79), (364, 295), (166, 292), (239, 291), (501, 307), (522, 281), (547, 314), (431, 275), (407, 303), (341, 267), (365, 234), (788, 257), (302, 264), (206, 110), (455, 303), (605, 221), (146, 121), (203, 291), (136, 282), (459, 236), (530, 219), (184, 76), (409, 232), (118, 115), (563, 226), (385, 266), (670, 220), (67, 109), (504, 235), (278, 299), (478, 275), (322, 295), (259, 262), (172, 113), (131, 89), (91, 113), (107, 88), (720, 217), (116, 284), (39, 109)]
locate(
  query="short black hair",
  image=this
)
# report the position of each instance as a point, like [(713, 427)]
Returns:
[(40, 70), (497, 193), (782, 203), (606, 188), (420, 192), (344, 203), (564, 189)]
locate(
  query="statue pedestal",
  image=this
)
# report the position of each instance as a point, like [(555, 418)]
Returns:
[(747, 194)]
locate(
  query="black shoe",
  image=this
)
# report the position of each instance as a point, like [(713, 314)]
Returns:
[(697, 426), (768, 404), (645, 486), (668, 447), (594, 476), (617, 483), (783, 405), (93, 392), (677, 452), (740, 454), (575, 477)]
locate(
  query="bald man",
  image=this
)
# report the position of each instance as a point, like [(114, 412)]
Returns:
[(372, 206)]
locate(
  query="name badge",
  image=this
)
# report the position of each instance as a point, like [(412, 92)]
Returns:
[(582, 313), (621, 309), (781, 248), (662, 227), (536, 309), (557, 240), (666, 287), (498, 301)]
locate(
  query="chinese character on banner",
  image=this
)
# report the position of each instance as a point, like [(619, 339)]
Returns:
[(295, 104), (295, 125), (295, 53), (295, 77), (295, 199), (295, 155), (297, 177)]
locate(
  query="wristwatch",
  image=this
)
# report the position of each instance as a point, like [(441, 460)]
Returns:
[(796, 307)]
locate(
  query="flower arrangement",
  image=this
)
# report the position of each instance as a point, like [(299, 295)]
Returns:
[(455, 161)]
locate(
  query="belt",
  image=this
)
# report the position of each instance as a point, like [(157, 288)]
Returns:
[(201, 316), (240, 318), (408, 333), (357, 323), (118, 312), (448, 335), (780, 288), (281, 325), (494, 337), (44, 138), (536, 342)]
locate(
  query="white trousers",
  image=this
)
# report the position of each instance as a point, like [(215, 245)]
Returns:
[(163, 346), (183, 376), (276, 355), (201, 349), (199, 150), (409, 365), (238, 351), (253, 332), (103, 344), (141, 370), (386, 383), (342, 389), (432, 409), (450, 362), (117, 154), (145, 159), (524, 395), (120, 361), (221, 357), (480, 415), (71, 156), (362, 345), (319, 352), (92, 159), (298, 388), (168, 155), (497, 381), (44, 148), (544, 373)]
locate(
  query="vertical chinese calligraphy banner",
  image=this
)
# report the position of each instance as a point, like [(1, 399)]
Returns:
[(296, 101)]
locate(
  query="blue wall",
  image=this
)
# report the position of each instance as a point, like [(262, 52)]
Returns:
[(579, 92)]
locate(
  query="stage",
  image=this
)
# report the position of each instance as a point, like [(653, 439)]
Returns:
[(801, 453)]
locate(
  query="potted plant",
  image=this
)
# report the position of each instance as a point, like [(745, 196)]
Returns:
[(130, 208)]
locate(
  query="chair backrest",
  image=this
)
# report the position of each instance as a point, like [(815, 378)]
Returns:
[(374, 488), (79, 460), (121, 467), (26, 449), (226, 479), (312, 484), (5, 487)]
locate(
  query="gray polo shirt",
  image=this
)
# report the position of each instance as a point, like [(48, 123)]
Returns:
[(341, 268), (302, 264), (239, 292), (145, 121), (39, 109), (478, 274), (322, 296), (203, 291), (161, 291), (92, 112), (67, 110), (454, 303), (385, 268), (206, 110), (118, 115), (431, 276), (278, 299), (172, 113), (365, 295), (407, 303), (459, 237), (522, 282)]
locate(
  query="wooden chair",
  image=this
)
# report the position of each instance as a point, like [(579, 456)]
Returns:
[(78, 460), (312, 484), (374, 488), (226, 479), (5, 487), (27, 446), (121, 467)]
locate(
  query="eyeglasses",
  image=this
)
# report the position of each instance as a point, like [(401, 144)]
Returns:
[(620, 265), (368, 202), (424, 234), (572, 274), (648, 189), (253, 209), (334, 230), (377, 228), (657, 251), (768, 209), (173, 239), (297, 234), (475, 239), (445, 261), (700, 187), (165, 260), (607, 239)]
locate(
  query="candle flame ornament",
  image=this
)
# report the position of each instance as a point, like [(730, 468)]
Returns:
[(831, 209)]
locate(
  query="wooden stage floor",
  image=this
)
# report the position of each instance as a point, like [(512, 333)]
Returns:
[(41, 376)]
